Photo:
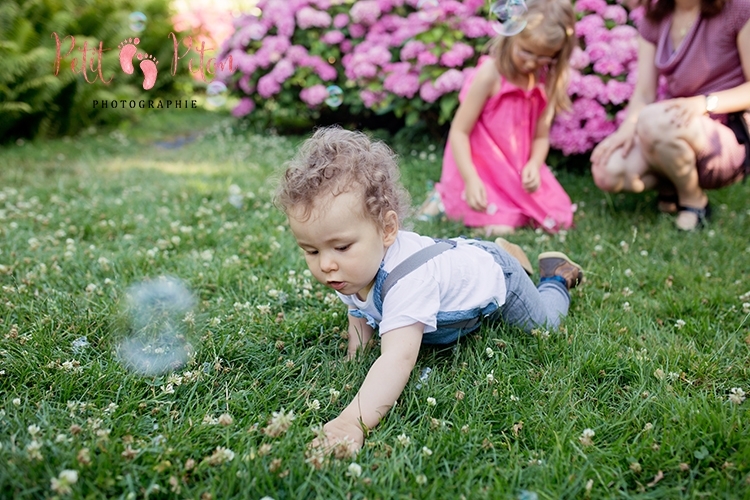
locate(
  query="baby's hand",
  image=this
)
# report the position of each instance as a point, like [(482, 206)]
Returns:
[(343, 439)]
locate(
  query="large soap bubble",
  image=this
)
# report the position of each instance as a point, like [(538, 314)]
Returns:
[(159, 330)]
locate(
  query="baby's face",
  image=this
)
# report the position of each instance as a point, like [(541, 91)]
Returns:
[(343, 247)]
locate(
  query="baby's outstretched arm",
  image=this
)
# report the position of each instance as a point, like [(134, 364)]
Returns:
[(382, 387), (360, 334)]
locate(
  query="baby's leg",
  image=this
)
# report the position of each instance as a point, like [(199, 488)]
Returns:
[(527, 306)]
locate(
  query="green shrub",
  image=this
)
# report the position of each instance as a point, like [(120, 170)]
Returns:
[(36, 102)]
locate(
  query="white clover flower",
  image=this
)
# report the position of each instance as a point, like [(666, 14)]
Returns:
[(659, 374), (91, 287), (679, 324), (33, 430), (354, 470), (314, 405), (403, 440), (489, 352), (167, 389), (334, 393), (746, 307), (514, 398), (279, 423), (648, 426), (491, 377), (220, 456), (626, 306), (737, 395), (431, 401), (421, 479), (33, 449), (585, 437), (16, 401), (426, 451), (628, 272), (63, 482), (225, 420)]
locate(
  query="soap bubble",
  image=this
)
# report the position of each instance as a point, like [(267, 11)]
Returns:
[(335, 96), (236, 199), (159, 327), (508, 17), (137, 21), (491, 209), (427, 10), (216, 94)]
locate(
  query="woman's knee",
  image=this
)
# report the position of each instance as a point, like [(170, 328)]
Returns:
[(654, 126)]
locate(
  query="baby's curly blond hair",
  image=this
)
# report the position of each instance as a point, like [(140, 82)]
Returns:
[(335, 161)]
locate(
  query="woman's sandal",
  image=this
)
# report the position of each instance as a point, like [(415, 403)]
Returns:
[(701, 216)]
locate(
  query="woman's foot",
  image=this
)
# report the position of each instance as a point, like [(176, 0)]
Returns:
[(498, 230), (692, 218), (432, 208)]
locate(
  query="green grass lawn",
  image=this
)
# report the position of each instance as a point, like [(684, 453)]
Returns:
[(632, 399)]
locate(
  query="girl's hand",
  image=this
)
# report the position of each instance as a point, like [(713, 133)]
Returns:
[(341, 438), (475, 194), (685, 110), (530, 177), (622, 139)]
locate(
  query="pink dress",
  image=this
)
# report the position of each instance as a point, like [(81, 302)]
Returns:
[(500, 147)]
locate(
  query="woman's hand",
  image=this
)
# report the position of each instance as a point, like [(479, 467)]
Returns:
[(685, 109), (622, 139), (341, 438), (475, 194), (530, 177)]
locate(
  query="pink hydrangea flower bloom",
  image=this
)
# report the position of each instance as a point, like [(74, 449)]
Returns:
[(427, 58), (618, 92), (307, 18), (365, 12), (474, 27), (333, 37), (609, 66), (268, 86), (597, 6), (402, 85), (456, 55), (579, 59), (357, 30), (371, 99), (244, 107), (314, 96), (412, 49), (450, 81), (340, 21), (616, 13), (428, 92)]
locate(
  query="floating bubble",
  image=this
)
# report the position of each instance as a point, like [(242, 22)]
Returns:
[(491, 209), (159, 328), (80, 344), (235, 196), (335, 96), (549, 222), (508, 17), (427, 10), (424, 376), (216, 94), (137, 21)]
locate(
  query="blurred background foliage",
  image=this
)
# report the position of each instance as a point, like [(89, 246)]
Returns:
[(34, 102)]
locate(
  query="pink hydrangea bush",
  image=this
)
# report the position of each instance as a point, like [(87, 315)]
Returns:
[(411, 59)]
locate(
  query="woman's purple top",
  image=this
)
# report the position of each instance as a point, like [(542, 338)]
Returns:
[(707, 60)]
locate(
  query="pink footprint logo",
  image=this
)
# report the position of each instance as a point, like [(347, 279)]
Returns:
[(148, 65), (127, 51)]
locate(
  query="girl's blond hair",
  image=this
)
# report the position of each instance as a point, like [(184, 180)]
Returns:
[(335, 161), (550, 23)]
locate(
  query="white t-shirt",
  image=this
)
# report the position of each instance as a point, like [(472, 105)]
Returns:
[(459, 279)]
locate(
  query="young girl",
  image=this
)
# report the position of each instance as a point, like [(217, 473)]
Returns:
[(494, 176), (345, 205)]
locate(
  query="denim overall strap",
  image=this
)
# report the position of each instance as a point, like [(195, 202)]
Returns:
[(413, 262)]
